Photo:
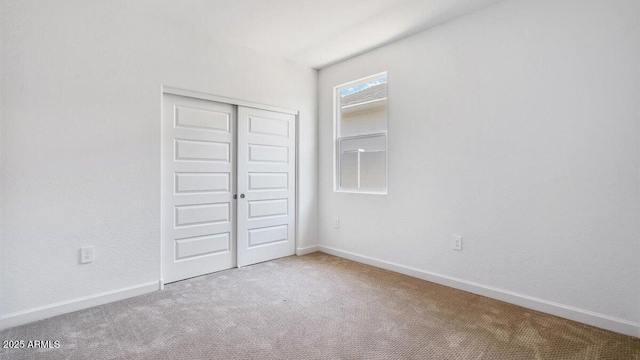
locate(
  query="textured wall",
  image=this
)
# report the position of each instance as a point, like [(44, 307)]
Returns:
[(518, 128), (1, 187), (81, 139)]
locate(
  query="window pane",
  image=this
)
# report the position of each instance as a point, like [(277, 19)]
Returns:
[(363, 163), (363, 108), (372, 170), (349, 170)]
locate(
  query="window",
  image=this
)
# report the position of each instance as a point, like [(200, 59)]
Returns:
[(360, 128)]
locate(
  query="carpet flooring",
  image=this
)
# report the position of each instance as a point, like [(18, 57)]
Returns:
[(315, 307)]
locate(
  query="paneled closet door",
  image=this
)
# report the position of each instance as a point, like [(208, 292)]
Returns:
[(266, 185), (198, 184)]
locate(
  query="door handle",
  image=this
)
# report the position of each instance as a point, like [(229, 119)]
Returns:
[(235, 196), (241, 196)]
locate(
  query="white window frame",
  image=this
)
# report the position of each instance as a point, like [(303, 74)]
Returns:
[(336, 138)]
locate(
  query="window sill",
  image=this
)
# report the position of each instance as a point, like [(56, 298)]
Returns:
[(361, 192)]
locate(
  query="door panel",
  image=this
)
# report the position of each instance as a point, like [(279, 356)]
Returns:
[(198, 183), (266, 176)]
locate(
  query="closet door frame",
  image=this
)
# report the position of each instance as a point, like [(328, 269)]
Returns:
[(236, 102)]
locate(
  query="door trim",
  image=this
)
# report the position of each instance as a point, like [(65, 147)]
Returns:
[(227, 100), (164, 89)]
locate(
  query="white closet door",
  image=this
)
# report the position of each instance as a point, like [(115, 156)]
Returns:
[(198, 183), (266, 184)]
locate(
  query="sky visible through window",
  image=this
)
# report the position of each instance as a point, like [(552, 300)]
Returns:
[(351, 90)]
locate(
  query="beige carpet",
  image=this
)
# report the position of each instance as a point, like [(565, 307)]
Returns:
[(315, 307)]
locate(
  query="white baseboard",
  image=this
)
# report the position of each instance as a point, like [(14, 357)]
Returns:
[(568, 312), (306, 250), (64, 307)]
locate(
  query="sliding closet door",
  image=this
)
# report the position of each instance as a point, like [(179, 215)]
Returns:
[(198, 183), (266, 184)]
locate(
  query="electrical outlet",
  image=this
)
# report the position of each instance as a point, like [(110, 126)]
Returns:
[(87, 254), (336, 223), (456, 242)]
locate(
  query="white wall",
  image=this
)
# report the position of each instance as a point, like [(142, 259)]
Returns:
[(518, 128), (81, 139), (1, 187)]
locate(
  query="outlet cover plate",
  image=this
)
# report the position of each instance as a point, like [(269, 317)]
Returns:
[(456, 242), (87, 254)]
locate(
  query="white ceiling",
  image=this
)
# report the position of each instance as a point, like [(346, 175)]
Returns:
[(314, 33)]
